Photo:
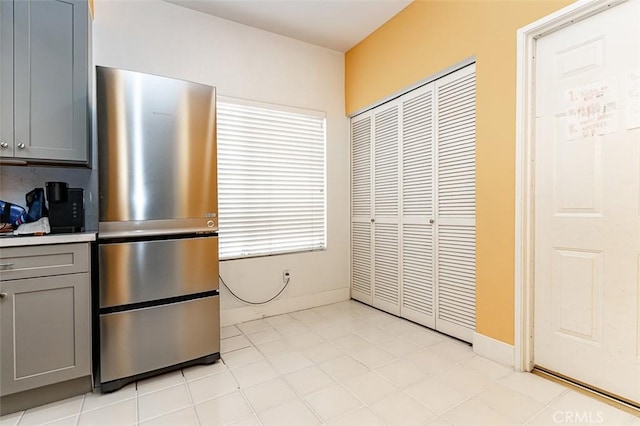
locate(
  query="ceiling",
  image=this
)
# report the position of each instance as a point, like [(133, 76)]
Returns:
[(335, 24)]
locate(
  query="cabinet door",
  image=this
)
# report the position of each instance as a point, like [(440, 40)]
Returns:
[(44, 331), (6, 79), (50, 39)]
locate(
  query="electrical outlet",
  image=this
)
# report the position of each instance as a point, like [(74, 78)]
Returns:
[(286, 275)]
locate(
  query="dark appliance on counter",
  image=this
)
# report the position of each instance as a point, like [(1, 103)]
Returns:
[(66, 207), (157, 306)]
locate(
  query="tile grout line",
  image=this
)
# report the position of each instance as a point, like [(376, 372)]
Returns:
[(253, 411), (84, 398), (240, 390), (20, 417), (547, 406), (536, 414), (193, 405)]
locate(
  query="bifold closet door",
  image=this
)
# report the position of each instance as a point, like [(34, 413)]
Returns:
[(456, 203), (418, 207), (386, 224), (361, 214), (413, 205)]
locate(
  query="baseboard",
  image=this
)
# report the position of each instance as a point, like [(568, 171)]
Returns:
[(44, 395), (279, 307), (493, 349)]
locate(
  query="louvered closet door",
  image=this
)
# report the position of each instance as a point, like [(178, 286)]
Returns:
[(386, 134), (361, 212), (417, 206), (456, 207)]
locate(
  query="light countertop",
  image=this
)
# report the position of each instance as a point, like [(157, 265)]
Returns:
[(21, 241)]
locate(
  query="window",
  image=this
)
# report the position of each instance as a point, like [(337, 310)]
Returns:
[(271, 179)]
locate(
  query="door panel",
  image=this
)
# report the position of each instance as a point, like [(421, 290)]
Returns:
[(587, 188), (386, 196), (386, 292), (361, 209), (385, 140), (361, 174), (456, 134), (456, 204), (417, 154), (417, 273), (418, 249), (361, 264), (577, 294), (457, 279), (578, 174)]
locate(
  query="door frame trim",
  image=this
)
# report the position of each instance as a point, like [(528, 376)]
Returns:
[(525, 143)]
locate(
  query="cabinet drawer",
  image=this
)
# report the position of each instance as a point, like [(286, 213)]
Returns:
[(40, 261)]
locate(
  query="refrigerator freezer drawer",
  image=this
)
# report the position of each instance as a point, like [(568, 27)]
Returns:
[(133, 272), (143, 340)]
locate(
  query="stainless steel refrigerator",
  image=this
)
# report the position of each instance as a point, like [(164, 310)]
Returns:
[(157, 303)]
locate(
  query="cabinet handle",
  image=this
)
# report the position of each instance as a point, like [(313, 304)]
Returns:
[(4, 145), (373, 220), (21, 145), (431, 221), (3, 295), (6, 265)]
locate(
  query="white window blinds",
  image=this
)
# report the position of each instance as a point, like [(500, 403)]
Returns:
[(271, 179)]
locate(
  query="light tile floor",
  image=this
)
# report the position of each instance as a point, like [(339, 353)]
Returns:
[(342, 364)]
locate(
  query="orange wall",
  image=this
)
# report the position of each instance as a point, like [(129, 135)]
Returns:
[(424, 38)]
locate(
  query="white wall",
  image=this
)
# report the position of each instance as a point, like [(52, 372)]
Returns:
[(161, 38)]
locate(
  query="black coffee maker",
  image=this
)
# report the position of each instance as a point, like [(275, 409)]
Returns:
[(66, 207)]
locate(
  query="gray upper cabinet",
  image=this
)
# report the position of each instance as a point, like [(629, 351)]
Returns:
[(44, 76), (6, 78)]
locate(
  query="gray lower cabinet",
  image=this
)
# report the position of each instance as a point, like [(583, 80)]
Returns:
[(44, 320), (44, 72)]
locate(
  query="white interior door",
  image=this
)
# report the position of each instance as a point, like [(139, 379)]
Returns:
[(361, 247), (386, 228), (456, 203), (418, 245), (587, 201)]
